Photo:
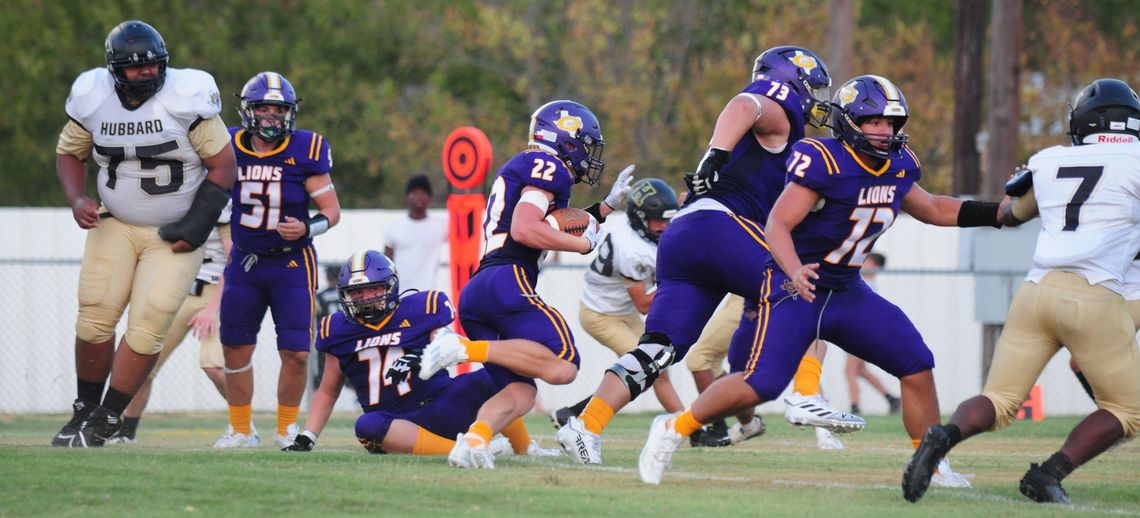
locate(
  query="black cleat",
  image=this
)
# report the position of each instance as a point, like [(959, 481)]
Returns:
[(916, 477), (560, 417), (95, 431), (1040, 486), (715, 435), (81, 412), (894, 405)]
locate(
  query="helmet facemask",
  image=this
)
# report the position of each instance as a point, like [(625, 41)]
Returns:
[(371, 308)]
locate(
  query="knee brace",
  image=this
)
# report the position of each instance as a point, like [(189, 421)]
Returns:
[(640, 367), (238, 370)]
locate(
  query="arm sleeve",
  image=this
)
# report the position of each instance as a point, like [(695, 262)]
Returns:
[(75, 141), (209, 136)]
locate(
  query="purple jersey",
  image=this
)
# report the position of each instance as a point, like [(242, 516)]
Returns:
[(271, 186), (753, 177), (859, 204), (366, 351), (530, 168)]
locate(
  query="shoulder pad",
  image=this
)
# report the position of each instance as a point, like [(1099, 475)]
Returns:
[(88, 92), (314, 148), (812, 162), (190, 94), (546, 172)]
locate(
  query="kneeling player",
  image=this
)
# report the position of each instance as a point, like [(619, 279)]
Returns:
[(376, 342)]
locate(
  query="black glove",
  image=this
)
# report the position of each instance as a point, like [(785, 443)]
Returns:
[(196, 225), (1020, 182), (301, 443), (708, 171), (405, 367)]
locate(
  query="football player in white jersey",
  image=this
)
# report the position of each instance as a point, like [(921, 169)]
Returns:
[(617, 288), (165, 170), (1088, 197)]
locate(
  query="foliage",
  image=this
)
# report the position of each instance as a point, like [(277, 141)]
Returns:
[(385, 81)]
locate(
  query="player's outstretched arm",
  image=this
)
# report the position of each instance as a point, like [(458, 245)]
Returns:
[(790, 209), (947, 211), (321, 406)]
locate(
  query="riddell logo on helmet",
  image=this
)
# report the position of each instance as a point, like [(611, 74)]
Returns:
[(1115, 139)]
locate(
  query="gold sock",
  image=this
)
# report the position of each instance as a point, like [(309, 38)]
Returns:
[(481, 429), (476, 349), (240, 418), (286, 415), (685, 424), (597, 415), (807, 377), (428, 443), (517, 433)]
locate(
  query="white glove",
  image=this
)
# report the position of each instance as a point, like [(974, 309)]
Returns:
[(593, 233), (621, 187)]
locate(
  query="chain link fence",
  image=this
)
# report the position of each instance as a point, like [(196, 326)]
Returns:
[(39, 310)]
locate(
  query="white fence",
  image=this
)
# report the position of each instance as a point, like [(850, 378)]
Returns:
[(39, 266)]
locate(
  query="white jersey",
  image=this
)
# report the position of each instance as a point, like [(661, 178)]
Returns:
[(623, 259), (1089, 200), (148, 169), (214, 262), (1132, 282)]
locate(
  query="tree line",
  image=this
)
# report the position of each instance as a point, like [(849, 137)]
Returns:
[(385, 81)]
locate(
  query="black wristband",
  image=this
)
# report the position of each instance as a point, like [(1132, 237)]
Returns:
[(595, 210), (978, 214)]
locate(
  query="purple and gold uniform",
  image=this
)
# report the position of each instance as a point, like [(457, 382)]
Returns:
[(442, 405), (266, 271), (715, 245), (858, 204), (500, 301)]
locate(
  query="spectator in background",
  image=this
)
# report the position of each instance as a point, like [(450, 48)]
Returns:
[(414, 243), (856, 367)]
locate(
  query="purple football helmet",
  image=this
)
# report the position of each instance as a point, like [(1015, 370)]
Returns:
[(368, 269), (572, 133), (804, 72), (268, 88), (869, 96), (134, 43)]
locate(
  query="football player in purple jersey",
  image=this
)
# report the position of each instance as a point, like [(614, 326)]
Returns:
[(500, 302), (376, 343), (842, 194), (732, 189), (273, 264)]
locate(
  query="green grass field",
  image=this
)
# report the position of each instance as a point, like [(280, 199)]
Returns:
[(173, 471)]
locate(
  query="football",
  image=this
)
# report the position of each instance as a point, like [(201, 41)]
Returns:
[(569, 220)]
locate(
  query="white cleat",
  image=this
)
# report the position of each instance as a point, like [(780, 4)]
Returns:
[(460, 455), (247, 441), (739, 433), (501, 447), (534, 450), (287, 440), (121, 440), (471, 451), (817, 411), (443, 352), (657, 454), (945, 477), (825, 441), (582, 445)]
